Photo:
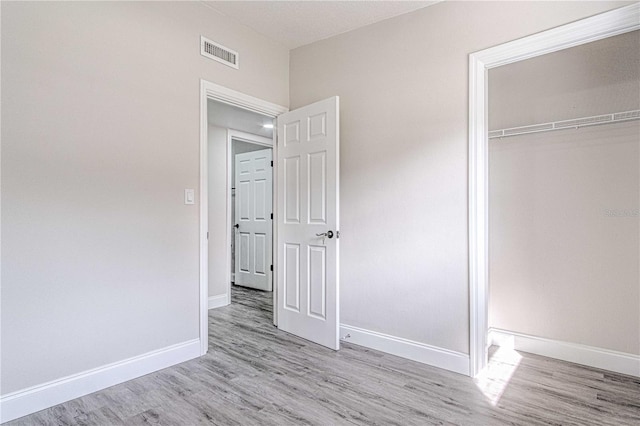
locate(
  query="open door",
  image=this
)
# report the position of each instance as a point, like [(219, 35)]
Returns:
[(308, 222), (253, 219)]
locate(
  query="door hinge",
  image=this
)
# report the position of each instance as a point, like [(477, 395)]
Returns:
[(271, 216), (271, 268), (207, 235), (271, 163)]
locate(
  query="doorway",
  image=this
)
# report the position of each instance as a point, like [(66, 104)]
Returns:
[(598, 27), (305, 212), (243, 103), (251, 211), (240, 200)]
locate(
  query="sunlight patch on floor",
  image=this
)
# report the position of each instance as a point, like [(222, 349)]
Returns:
[(494, 379)]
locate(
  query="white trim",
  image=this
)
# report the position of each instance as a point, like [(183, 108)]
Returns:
[(601, 26), (237, 135), (591, 356), (274, 207), (209, 90), (204, 221), (36, 398), (218, 301), (229, 234), (594, 28), (426, 354), (231, 97)]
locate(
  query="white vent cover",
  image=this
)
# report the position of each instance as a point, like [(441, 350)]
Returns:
[(218, 52)]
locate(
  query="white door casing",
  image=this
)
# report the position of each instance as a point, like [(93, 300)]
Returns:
[(308, 205), (253, 226)]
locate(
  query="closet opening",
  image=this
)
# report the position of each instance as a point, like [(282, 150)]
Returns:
[(564, 191), (581, 202)]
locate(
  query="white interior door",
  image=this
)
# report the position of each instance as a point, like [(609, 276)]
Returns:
[(253, 227), (307, 206)]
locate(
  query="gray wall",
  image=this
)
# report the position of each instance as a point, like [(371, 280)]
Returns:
[(100, 136), (562, 265), (403, 87), (591, 79)]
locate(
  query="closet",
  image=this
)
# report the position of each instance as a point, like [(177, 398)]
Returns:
[(564, 187)]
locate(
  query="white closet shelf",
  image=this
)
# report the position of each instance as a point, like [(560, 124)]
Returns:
[(575, 123)]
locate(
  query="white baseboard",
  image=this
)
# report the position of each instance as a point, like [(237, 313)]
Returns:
[(36, 398), (605, 359), (426, 354), (218, 301)]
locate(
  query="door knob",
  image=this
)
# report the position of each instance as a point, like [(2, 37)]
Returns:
[(328, 234)]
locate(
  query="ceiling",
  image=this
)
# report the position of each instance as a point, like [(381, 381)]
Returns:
[(296, 23), (230, 117)]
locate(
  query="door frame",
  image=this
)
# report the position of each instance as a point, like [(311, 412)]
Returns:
[(216, 92), (236, 135), (608, 24)]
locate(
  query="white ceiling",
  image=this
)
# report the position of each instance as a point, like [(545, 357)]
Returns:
[(230, 117), (296, 23)]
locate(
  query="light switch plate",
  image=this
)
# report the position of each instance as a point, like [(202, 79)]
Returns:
[(189, 196)]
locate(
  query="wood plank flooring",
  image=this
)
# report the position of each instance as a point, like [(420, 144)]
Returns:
[(255, 374)]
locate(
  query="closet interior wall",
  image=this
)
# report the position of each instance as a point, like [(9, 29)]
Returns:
[(564, 260)]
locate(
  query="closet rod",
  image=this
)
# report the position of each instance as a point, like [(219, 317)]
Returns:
[(575, 123)]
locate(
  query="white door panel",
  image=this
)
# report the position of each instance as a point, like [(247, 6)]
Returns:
[(253, 182), (307, 199)]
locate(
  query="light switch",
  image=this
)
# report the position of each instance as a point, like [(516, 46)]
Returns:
[(189, 196)]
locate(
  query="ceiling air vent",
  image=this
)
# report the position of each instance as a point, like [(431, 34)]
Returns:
[(219, 53)]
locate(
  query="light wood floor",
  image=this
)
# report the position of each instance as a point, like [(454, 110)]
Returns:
[(256, 374)]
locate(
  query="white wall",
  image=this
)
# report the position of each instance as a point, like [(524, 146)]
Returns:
[(563, 265), (403, 86), (217, 188), (100, 136)]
